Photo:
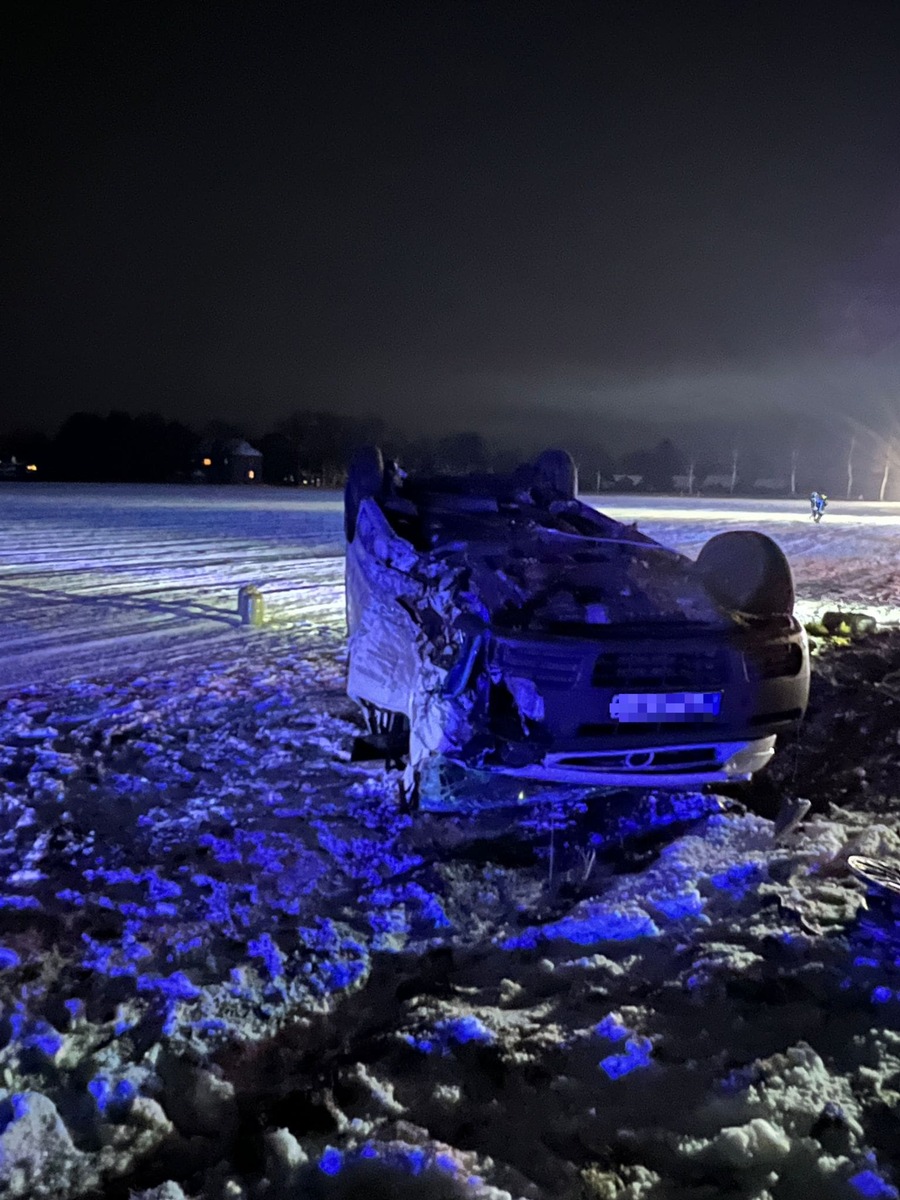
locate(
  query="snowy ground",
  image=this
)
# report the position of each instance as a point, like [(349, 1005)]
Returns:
[(229, 969)]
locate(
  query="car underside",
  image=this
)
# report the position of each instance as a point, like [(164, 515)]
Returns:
[(499, 623)]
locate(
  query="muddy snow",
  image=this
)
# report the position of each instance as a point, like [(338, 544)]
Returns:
[(230, 969)]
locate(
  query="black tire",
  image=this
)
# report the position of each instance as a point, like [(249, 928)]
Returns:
[(365, 478), (555, 472), (747, 571)]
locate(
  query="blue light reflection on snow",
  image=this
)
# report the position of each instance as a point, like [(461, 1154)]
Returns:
[(122, 1025), (599, 925), (875, 938), (637, 1054), (658, 811), (449, 1032), (872, 1186), (176, 986), (265, 949), (12, 1108), (415, 1160), (101, 1091), (678, 905), (739, 878), (612, 1028), (331, 1161), (43, 1037), (407, 1159)]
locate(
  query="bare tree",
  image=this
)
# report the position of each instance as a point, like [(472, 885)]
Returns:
[(690, 480), (850, 467), (734, 470), (795, 454), (888, 460)]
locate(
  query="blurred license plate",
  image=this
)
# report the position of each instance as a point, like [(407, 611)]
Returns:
[(635, 707)]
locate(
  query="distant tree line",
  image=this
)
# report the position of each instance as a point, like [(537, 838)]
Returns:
[(313, 447), (306, 447)]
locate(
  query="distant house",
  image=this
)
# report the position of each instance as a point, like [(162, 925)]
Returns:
[(13, 468), (243, 462), (234, 461), (627, 482)]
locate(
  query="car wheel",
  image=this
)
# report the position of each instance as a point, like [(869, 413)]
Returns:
[(747, 571), (555, 470), (365, 478)]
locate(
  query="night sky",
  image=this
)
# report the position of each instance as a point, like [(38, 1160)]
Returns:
[(511, 217)]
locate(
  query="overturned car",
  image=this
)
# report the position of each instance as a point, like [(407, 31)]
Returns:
[(498, 623)]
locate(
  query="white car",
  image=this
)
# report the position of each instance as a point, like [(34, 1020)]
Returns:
[(498, 623)]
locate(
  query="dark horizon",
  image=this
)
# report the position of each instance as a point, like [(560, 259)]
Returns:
[(514, 219), (318, 447)]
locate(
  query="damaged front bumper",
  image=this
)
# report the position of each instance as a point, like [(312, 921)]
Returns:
[(647, 711), (658, 765)]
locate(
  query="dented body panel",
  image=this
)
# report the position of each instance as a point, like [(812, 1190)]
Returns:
[(538, 638)]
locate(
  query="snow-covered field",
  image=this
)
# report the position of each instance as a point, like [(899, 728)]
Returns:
[(105, 578), (228, 968)]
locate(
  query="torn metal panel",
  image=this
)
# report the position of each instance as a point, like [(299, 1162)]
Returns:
[(526, 697)]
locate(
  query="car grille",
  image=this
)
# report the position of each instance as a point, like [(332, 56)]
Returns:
[(773, 660), (642, 760), (661, 668), (547, 665)]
